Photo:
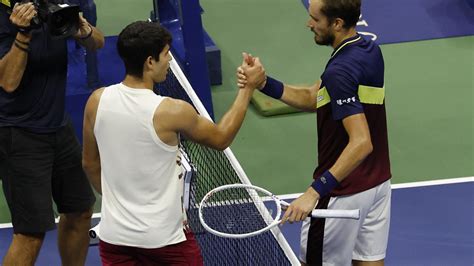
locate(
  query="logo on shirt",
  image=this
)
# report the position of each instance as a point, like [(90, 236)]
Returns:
[(320, 98), (348, 100)]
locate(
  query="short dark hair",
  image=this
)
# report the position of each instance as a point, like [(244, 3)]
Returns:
[(140, 40), (347, 10)]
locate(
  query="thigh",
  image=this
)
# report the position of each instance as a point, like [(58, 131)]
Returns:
[(26, 168), (184, 253), (371, 243), (117, 255), (312, 235), (71, 188), (331, 241)]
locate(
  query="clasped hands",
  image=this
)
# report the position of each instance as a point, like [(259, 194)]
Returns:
[(251, 73)]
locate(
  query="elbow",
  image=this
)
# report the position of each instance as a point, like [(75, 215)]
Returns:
[(222, 145), (9, 87), (87, 166), (366, 147), (363, 147), (222, 139), (310, 109)]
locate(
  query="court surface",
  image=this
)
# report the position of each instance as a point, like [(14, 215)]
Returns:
[(430, 107), (432, 224)]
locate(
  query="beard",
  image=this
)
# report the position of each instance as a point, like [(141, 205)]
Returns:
[(326, 39)]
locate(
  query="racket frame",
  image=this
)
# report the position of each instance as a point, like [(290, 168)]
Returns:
[(261, 207), (318, 213)]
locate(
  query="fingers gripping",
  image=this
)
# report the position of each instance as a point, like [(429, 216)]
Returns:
[(22, 14)]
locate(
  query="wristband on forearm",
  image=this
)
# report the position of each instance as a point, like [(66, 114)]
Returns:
[(325, 183), (24, 49), (273, 88), (22, 42)]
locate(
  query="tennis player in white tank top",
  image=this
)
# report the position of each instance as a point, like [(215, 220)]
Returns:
[(131, 138)]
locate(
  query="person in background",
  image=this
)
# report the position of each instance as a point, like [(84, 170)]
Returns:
[(40, 156)]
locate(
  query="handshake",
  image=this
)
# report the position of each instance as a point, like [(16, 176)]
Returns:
[(251, 73)]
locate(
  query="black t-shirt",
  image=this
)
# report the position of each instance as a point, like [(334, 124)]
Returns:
[(38, 103)]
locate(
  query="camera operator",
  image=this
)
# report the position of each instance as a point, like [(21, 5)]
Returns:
[(40, 156)]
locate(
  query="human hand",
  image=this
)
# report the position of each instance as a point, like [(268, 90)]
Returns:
[(251, 72), (22, 14), (301, 207), (84, 28)]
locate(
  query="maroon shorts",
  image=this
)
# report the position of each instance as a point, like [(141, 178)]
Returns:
[(183, 253)]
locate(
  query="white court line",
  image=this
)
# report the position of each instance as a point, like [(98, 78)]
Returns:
[(394, 186), (406, 185)]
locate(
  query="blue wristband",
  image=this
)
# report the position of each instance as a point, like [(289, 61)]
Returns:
[(273, 88), (325, 183)]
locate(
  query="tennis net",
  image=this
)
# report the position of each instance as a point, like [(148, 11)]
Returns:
[(213, 169)]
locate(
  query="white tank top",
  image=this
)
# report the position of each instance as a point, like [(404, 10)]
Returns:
[(141, 190)]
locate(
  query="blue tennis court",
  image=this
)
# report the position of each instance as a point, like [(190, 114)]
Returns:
[(429, 226)]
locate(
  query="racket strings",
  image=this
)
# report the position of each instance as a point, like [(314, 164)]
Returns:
[(238, 211)]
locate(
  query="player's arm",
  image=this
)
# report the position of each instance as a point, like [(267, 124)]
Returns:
[(90, 153), (181, 117), (358, 148), (89, 36), (304, 98), (13, 63)]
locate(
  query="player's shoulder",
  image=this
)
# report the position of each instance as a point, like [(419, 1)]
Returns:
[(96, 94), (94, 99), (174, 108), (339, 68)]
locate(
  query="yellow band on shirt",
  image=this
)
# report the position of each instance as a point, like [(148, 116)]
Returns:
[(367, 95), (6, 2)]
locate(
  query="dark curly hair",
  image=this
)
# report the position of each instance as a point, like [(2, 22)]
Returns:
[(140, 40)]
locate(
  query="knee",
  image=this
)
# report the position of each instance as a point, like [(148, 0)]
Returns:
[(76, 218), (33, 240)]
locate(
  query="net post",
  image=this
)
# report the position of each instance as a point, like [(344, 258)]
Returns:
[(195, 51), (183, 20)]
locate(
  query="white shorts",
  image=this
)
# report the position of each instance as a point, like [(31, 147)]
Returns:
[(339, 241)]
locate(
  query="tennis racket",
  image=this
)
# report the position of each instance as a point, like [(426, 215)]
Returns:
[(241, 210)]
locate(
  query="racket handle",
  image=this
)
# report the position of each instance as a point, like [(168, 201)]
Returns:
[(324, 213), (342, 214)]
